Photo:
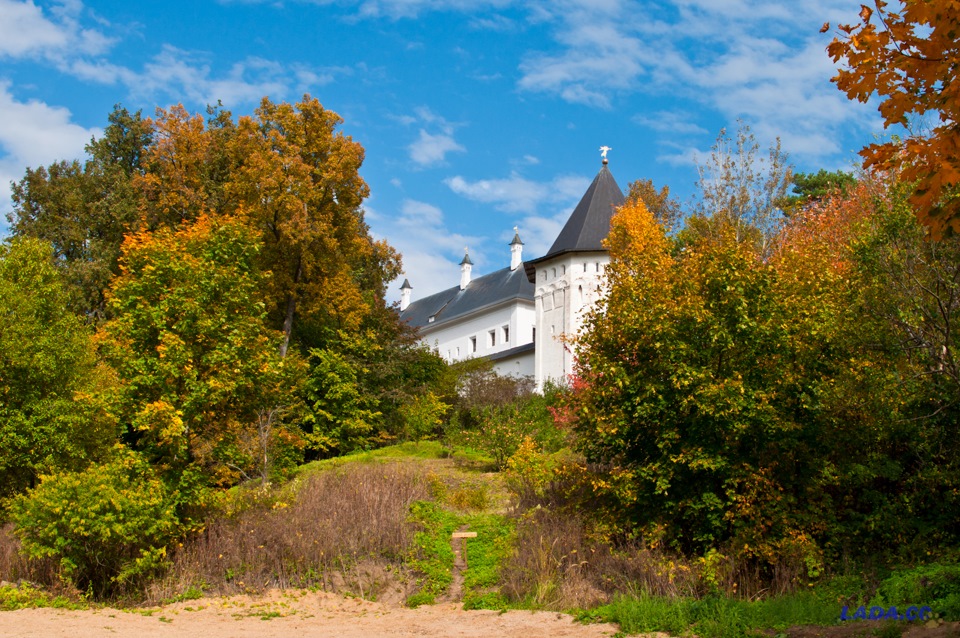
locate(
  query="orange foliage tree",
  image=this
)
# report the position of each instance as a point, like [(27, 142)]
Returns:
[(909, 55)]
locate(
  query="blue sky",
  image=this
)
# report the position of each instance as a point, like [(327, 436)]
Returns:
[(476, 115)]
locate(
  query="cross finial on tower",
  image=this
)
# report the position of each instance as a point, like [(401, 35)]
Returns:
[(603, 153)]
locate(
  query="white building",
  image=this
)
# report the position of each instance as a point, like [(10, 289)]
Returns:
[(523, 317)]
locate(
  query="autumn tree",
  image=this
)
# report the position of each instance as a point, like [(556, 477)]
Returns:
[(290, 175), (742, 190), (908, 54), (666, 209), (723, 389), (201, 371), (85, 209), (185, 167), (50, 418), (298, 184)]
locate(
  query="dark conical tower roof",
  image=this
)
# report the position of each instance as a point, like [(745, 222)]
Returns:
[(589, 224)]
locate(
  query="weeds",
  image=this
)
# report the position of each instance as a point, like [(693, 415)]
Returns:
[(25, 596)]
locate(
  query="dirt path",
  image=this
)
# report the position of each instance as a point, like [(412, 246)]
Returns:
[(286, 614)]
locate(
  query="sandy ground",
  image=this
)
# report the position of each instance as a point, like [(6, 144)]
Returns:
[(293, 614)]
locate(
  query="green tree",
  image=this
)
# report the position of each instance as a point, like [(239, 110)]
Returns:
[(726, 389), (201, 372), (50, 419), (85, 210), (813, 187), (910, 291)]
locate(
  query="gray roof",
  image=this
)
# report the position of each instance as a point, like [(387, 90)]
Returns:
[(512, 352), (589, 224), (452, 303)]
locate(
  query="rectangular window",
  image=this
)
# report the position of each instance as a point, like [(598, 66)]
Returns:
[(506, 334), (533, 336), (473, 344), (493, 337)]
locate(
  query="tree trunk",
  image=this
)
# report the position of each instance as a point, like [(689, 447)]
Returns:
[(291, 310)]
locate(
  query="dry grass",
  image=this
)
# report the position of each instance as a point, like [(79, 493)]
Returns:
[(346, 531), (556, 565), (14, 568)]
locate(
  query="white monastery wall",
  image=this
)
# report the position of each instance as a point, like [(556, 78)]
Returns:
[(484, 333), (566, 288)]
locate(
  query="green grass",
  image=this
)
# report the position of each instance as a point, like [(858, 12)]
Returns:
[(432, 555), (716, 616), (936, 585), (485, 553), (412, 450)]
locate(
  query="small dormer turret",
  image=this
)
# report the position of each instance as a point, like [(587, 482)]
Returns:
[(405, 291), (516, 250), (465, 267)]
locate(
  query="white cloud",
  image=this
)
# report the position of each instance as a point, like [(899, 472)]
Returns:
[(431, 251), (673, 122), (432, 149), (187, 75), (762, 61), (60, 37), (600, 53), (26, 31), (518, 194), (34, 134), (412, 8), (493, 22)]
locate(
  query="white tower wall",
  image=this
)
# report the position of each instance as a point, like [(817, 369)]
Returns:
[(567, 287)]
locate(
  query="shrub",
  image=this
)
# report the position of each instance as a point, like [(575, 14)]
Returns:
[(497, 414), (106, 526), (936, 585)]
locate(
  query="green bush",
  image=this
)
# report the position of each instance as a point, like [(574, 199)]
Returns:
[(107, 526), (26, 596), (936, 585)]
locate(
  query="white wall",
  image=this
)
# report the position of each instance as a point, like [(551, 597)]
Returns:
[(521, 365), (566, 288), (452, 340)]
